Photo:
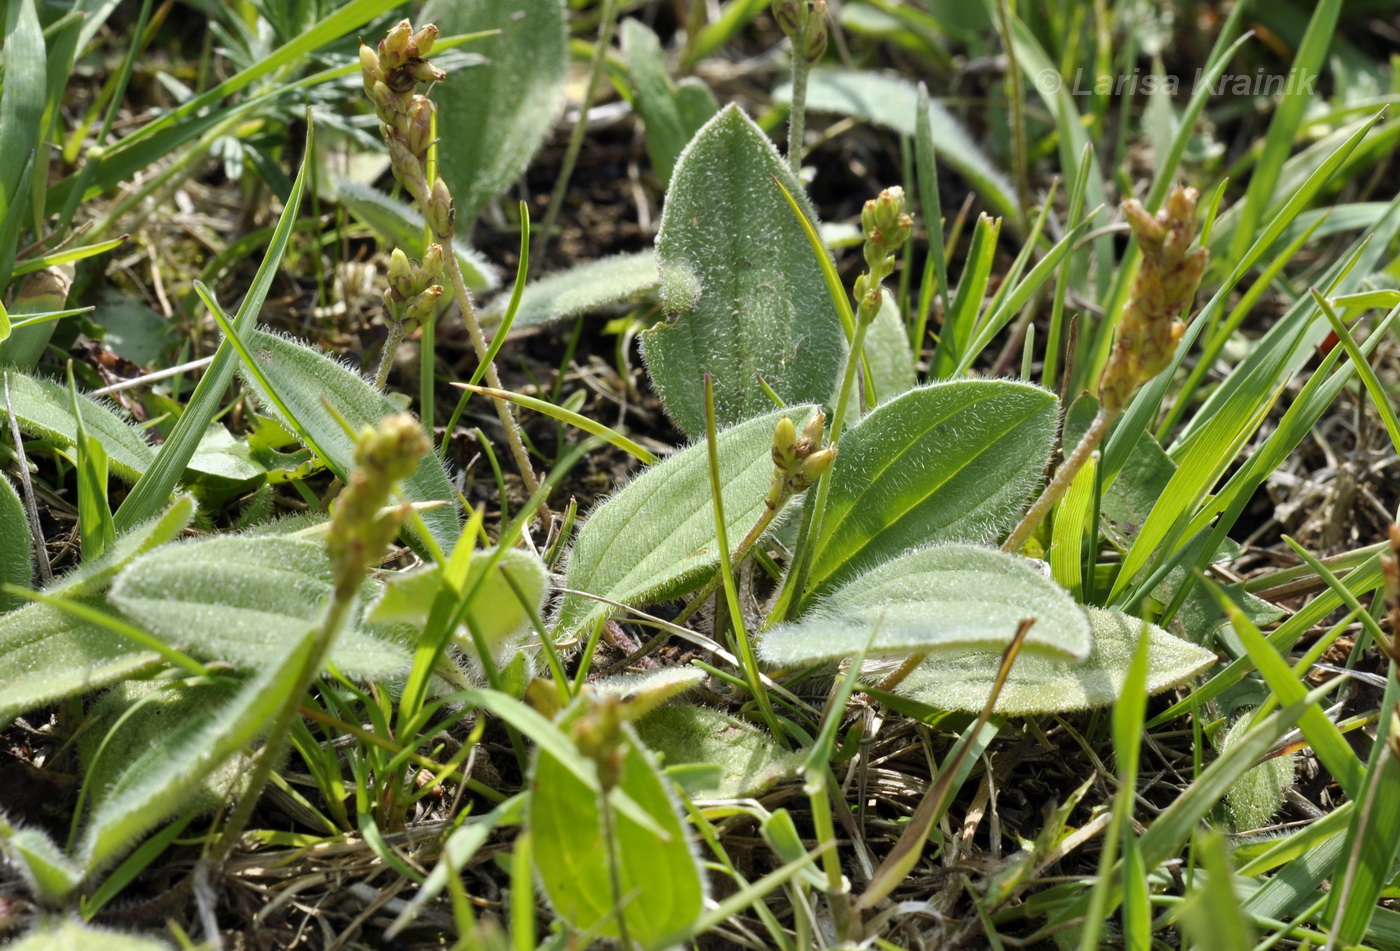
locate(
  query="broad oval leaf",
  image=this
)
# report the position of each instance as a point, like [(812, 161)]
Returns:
[(305, 380), (16, 545), (948, 598), (672, 116), (742, 292), (748, 761), (138, 716), (656, 538), (241, 598), (496, 613), (950, 462), (68, 934), (1042, 685), (891, 102), (47, 654), (656, 869), (154, 784), (580, 290), (45, 409), (493, 117)]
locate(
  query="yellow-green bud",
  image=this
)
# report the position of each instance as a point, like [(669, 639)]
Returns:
[(790, 14), (811, 469), (421, 42), (785, 445), (369, 69), (420, 125), (394, 48), (431, 268), (425, 72), (407, 168), (812, 432), (401, 274), (815, 45), (439, 211)]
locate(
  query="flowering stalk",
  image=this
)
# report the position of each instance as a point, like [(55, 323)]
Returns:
[(798, 463), (362, 526), (804, 22), (1147, 334), (391, 76), (886, 228)]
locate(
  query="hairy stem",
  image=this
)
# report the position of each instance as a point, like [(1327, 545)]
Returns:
[(797, 112), (503, 407), (772, 506), (1059, 485), (397, 333)]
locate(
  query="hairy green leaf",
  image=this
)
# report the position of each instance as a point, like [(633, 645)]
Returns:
[(947, 598), (658, 875), (748, 760), (580, 290), (66, 934), (50, 875), (1041, 685), (742, 292), (137, 716), (239, 598), (955, 461), (1256, 797), (16, 545), (496, 614), (892, 102), (154, 784), (671, 116), (492, 118), (656, 538), (44, 409), (306, 381)]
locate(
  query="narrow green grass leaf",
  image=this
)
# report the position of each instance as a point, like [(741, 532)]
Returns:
[(566, 416), (929, 203), (1039, 685), (1322, 734), (16, 546), (1366, 865), (1298, 95), (312, 392), (68, 256), (655, 539), (21, 104), (1067, 539), (1212, 918), (151, 492), (200, 113), (581, 290), (237, 598), (45, 409), (948, 598), (742, 292), (492, 118), (1379, 398), (893, 103), (670, 121), (95, 528), (961, 321), (954, 461)]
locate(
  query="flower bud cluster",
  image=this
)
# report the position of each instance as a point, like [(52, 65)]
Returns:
[(414, 289), (360, 527), (804, 20), (886, 228), (1164, 288), (799, 462), (390, 76)]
